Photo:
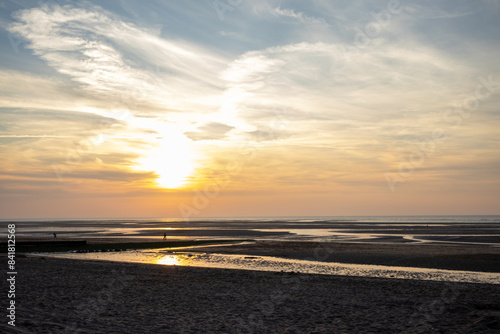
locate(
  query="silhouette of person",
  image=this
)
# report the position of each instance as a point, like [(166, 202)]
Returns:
[(164, 236), (55, 235)]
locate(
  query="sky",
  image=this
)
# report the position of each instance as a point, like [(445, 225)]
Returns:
[(226, 108)]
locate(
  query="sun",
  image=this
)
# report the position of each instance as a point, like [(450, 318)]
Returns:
[(169, 260), (172, 160)]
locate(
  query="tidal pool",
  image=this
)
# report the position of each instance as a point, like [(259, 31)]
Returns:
[(269, 263)]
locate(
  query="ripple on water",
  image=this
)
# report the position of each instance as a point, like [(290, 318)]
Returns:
[(269, 263)]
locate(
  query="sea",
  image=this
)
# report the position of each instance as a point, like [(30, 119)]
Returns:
[(477, 230)]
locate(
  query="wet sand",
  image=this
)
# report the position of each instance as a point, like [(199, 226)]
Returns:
[(67, 296), (449, 256), (452, 257), (478, 232)]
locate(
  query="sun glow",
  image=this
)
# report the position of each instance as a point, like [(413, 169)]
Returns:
[(172, 161), (169, 260)]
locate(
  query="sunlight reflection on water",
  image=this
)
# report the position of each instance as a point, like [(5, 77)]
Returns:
[(268, 263)]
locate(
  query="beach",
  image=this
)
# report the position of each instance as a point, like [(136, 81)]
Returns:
[(76, 296), (127, 279)]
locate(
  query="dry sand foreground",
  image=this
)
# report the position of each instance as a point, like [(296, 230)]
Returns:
[(66, 296)]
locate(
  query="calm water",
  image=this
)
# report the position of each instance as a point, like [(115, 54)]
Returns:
[(269, 263), (477, 230)]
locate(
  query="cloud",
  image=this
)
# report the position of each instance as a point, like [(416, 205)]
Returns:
[(298, 16), (53, 123), (443, 10), (209, 131), (367, 109), (267, 134), (114, 59), (310, 82), (106, 68)]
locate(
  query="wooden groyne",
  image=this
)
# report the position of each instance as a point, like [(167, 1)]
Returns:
[(66, 243)]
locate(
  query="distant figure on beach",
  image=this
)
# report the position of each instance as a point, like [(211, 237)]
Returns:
[(164, 236), (55, 235)]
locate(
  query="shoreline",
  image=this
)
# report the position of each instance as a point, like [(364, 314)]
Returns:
[(448, 257)]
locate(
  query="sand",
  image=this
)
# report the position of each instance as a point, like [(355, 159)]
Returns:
[(68, 296), (450, 256)]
